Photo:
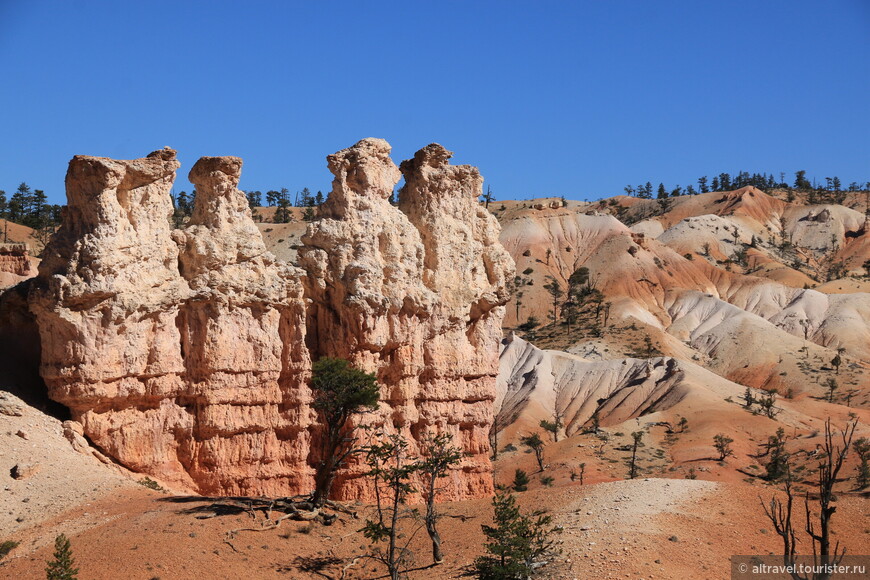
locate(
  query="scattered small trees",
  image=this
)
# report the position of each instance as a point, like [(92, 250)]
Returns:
[(514, 542), (535, 443), (340, 392), (768, 405), (556, 293), (780, 513), (61, 568), (722, 443), (393, 468)]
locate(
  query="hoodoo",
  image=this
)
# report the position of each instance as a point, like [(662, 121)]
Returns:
[(186, 353)]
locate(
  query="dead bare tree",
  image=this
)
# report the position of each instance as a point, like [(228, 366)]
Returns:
[(779, 512)]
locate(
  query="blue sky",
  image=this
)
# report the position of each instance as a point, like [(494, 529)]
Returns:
[(547, 98)]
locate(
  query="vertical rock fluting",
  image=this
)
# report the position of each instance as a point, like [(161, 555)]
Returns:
[(180, 352), (242, 333), (106, 300), (468, 269), (417, 299), (185, 353)]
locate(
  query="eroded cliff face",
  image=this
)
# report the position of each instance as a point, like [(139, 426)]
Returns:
[(180, 352), (186, 354), (414, 294)]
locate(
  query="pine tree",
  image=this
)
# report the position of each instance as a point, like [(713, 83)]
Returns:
[(777, 466), (514, 542), (272, 197), (61, 568), (305, 198), (521, 480), (536, 444), (439, 457), (801, 182), (19, 203), (339, 393), (255, 199)]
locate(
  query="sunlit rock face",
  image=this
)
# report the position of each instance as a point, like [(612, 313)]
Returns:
[(414, 294), (186, 353)]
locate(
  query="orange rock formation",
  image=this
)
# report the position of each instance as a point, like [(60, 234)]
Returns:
[(185, 353)]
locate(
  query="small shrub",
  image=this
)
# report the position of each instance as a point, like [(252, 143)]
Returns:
[(528, 271), (151, 484), (547, 480), (6, 547)]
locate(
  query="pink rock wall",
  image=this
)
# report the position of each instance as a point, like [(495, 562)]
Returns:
[(185, 353)]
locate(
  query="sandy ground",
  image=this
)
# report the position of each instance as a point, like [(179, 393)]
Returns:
[(645, 528)]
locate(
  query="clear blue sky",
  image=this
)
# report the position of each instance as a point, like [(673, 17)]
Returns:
[(547, 98)]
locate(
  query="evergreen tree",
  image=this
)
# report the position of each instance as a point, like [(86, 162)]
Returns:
[(715, 184), (61, 568), (255, 199), (662, 192), (702, 184), (4, 205), (37, 211), (521, 480), (801, 182), (439, 457), (273, 197), (725, 181), (777, 465), (283, 214), (319, 199), (536, 444), (19, 203), (305, 198), (339, 393), (514, 542)]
